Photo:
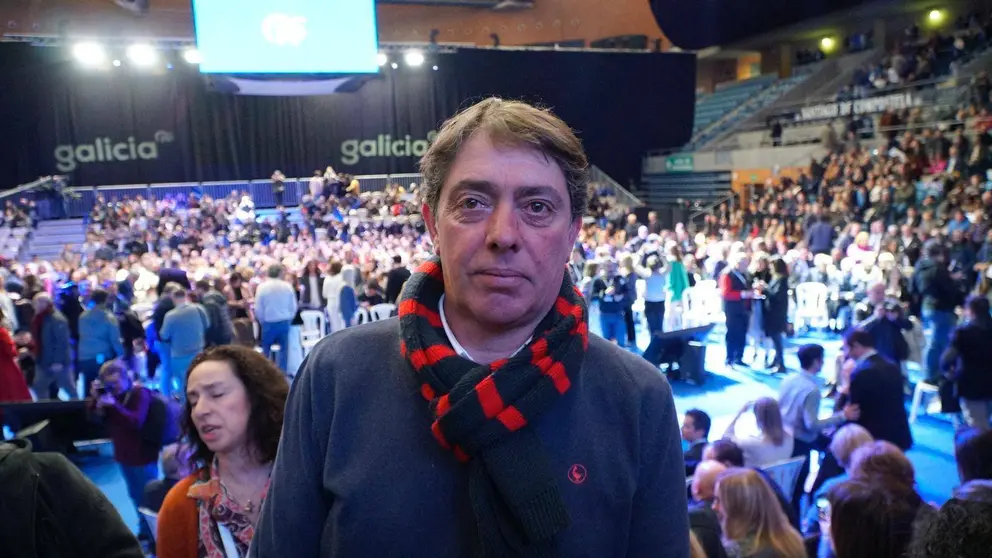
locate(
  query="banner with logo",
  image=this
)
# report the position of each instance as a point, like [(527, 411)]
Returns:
[(871, 105), (129, 127)]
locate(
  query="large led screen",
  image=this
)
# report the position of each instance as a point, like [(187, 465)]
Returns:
[(286, 36)]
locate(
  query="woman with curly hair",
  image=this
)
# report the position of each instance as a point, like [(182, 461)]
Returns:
[(232, 418)]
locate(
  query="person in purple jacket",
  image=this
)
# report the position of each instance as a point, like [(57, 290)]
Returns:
[(485, 420), (123, 407)]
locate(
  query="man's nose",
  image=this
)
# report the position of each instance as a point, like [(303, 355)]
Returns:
[(503, 228)]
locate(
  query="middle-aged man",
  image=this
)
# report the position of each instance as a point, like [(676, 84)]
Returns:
[(799, 398), (123, 407), (934, 288), (99, 338), (876, 388), (695, 432), (52, 350), (395, 279), (184, 330), (275, 307), (703, 520), (485, 421)]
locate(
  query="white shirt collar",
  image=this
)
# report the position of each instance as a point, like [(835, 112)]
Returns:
[(868, 354), (459, 349)]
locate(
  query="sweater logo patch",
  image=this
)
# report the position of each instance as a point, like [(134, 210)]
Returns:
[(577, 474)]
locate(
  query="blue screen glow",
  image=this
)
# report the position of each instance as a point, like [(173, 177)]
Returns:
[(286, 36)]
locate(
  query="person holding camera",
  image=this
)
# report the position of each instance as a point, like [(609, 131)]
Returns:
[(654, 270), (886, 325), (123, 407)]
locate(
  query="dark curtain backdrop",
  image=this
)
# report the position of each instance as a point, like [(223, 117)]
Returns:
[(53, 113)]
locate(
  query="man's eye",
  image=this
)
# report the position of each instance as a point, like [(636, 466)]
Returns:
[(471, 203), (538, 207)]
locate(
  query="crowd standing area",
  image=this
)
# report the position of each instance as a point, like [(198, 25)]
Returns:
[(889, 247)]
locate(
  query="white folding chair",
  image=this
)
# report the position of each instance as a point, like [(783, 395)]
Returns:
[(312, 331), (701, 305), (811, 305), (786, 473), (151, 520), (382, 311), (362, 316)]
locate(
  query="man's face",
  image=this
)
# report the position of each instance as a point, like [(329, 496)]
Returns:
[(876, 293), (816, 367), (114, 382), (689, 432), (852, 351), (504, 232)]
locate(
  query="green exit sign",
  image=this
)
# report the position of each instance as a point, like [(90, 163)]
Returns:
[(679, 163)]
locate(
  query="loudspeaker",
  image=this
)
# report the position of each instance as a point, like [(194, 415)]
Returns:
[(685, 348), (692, 365)]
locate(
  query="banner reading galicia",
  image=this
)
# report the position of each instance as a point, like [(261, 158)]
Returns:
[(128, 127), (858, 107)]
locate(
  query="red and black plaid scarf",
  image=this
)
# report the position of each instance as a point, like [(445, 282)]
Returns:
[(483, 412)]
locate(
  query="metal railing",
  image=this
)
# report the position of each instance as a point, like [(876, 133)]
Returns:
[(728, 198), (624, 196), (82, 198)]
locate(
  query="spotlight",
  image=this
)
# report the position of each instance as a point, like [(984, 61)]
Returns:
[(142, 55), (117, 63), (827, 44), (381, 59), (192, 56), (935, 16), (413, 58), (435, 68), (394, 65), (90, 54)]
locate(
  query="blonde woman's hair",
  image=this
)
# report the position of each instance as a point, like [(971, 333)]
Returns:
[(768, 416), (695, 549), (847, 439), (752, 512)]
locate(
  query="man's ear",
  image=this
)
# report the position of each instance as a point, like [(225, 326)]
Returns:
[(431, 222), (573, 233)]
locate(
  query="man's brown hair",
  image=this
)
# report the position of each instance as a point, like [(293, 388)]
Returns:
[(514, 124)]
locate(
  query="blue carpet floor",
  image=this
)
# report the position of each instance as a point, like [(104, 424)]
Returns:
[(722, 395)]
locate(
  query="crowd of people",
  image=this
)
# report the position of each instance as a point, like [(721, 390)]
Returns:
[(918, 58), (166, 292)]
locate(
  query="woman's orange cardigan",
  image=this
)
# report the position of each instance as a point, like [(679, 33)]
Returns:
[(178, 525)]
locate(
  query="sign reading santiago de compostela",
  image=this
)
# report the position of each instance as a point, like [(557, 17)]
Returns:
[(857, 107)]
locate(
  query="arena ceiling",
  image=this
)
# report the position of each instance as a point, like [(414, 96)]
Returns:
[(753, 24), (517, 22)]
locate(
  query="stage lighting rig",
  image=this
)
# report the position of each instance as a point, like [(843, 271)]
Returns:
[(192, 56), (414, 58), (90, 53), (142, 55)]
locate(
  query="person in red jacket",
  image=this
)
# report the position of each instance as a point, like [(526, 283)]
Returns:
[(13, 386), (735, 287)]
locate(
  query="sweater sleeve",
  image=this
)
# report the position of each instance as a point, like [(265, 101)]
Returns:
[(658, 515), (727, 289), (297, 504), (133, 418), (86, 517), (177, 535)]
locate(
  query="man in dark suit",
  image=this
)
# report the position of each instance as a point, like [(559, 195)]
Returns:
[(395, 280), (695, 431), (876, 386)]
